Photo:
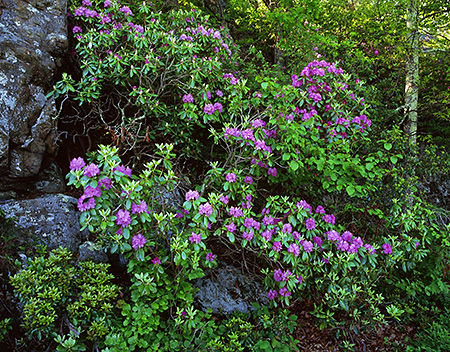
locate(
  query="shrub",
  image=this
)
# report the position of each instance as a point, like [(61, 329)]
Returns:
[(151, 75), (55, 294)]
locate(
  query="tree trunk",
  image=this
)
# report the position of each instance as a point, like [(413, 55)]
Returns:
[(412, 71)]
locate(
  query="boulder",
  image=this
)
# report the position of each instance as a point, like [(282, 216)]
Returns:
[(225, 289), (33, 35), (52, 220)]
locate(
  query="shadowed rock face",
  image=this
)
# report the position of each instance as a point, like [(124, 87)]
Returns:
[(52, 220), (33, 34), (225, 290)]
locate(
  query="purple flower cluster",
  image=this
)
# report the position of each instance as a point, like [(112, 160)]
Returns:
[(77, 164), (307, 246), (224, 199), (294, 249), (387, 249), (192, 195), (272, 294), (248, 180), (76, 29), (304, 205), (139, 208), (82, 11), (138, 241), (280, 275), (125, 170), (329, 218), (195, 238), (347, 242), (310, 224), (210, 109), (123, 218), (205, 209), (92, 192), (235, 212), (105, 183), (247, 235), (84, 205), (231, 227), (277, 246), (210, 257), (230, 76), (230, 177), (126, 11), (284, 292), (91, 170)]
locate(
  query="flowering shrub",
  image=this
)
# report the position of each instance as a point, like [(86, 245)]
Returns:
[(303, 251), (315, 127), (163, 74), (179, 74)]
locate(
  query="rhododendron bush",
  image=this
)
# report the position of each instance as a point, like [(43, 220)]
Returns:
[(167, 74), (149, 76)]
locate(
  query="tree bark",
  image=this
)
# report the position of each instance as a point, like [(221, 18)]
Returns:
[(412, 71)]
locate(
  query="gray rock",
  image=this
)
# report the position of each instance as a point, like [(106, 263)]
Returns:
[(91, 251), (7, 195), (225, 290), (33, 34), (51, 180), (52, 220)]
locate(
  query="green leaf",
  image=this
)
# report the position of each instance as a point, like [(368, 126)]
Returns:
[(394, 159), (320, 164), (264, 345), (294, 165), (369, 166), (350, 190), (264, 85), (387, 146)]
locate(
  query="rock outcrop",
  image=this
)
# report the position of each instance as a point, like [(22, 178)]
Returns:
[(52, 220), (225, 290), (33, 35)]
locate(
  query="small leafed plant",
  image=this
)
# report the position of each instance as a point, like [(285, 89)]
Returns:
[(64, 301)]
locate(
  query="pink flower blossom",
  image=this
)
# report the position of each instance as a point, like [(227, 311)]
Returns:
[(192, 195), (230, 177), (205, 209), (138, 241), (77, 164), (91, 170), (139, 208), (294, 249), (84, 206), (195, 238), (123, 218)]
